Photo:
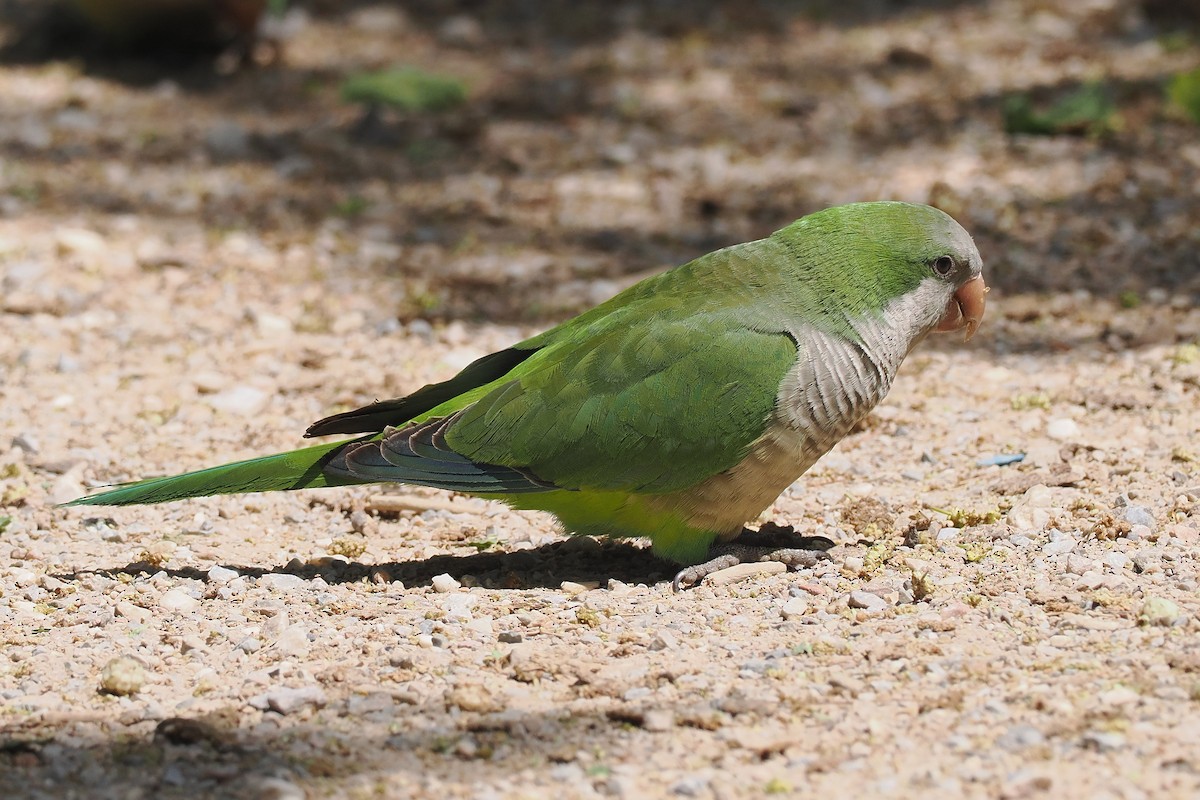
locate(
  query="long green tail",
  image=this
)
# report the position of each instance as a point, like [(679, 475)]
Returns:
[(297, 469)]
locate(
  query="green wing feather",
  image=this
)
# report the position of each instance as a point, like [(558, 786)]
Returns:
[(652, 409)]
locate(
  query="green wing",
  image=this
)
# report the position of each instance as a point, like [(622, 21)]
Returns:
[(661, 387), (650, 408)]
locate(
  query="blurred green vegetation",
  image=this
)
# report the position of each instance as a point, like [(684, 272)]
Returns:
[(1089, 110), (406, 89), (1184, 92)]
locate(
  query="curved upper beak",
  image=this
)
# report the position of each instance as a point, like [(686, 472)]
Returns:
[(965, 308)]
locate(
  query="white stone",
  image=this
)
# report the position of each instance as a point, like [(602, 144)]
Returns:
[(246, 401), (444, 583), (458, 606), (135, 614), (1078, 565), (293, 640), (1057, 547), (1117, 562), (283, 581), (79, 241), (794, 607), (741, 572), (219, 574), (24, 577), (1062, 429), (269, 325), (869, 602), (178, 600), (1032, 511)]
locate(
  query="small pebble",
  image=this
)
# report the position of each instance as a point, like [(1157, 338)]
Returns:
[(458, 606), (946, 535), (741, 572), (80, 242), (1059, 546), (1159, 611), (1139, 515), (178, 600), (1078, 565), (1118, 696), (444, 583), (293, 640), (1019, 737), (277, 789), (122, 676), (664, 640), (1145, 562), (245, 401), (1139, 533), (692, 786), (133, 613), (872, 603), (794, 607), (472, 697), (219, 574), (249, 645), (658, 720), (1062, 429), (1117, 562), (285, 700), (283, 581), (1103, 741), (26, 442)]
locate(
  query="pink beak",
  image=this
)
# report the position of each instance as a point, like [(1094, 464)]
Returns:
[(965, 308)]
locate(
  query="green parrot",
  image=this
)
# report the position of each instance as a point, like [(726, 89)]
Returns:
[(677, 410)]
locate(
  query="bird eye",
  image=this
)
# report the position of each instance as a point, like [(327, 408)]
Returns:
[(943, 265)]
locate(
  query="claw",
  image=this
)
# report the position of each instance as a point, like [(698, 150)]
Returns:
[(771, 543)]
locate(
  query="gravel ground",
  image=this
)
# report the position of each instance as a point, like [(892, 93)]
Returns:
[(195, 268)]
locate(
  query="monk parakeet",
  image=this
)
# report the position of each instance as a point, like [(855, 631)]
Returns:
[(677, 410)]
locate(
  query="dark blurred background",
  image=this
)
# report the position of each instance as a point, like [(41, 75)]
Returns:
[(519, 160)]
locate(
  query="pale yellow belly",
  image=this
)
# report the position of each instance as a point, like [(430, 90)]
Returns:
[(725, 502)]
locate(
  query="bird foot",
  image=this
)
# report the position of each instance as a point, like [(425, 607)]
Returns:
[(771, 542)]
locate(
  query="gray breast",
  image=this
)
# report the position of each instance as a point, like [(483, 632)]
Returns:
[(836, 381)]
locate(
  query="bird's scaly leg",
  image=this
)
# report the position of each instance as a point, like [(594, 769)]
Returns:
[(771, 542)]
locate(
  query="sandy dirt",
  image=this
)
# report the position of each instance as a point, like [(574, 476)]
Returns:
[(194, 267)]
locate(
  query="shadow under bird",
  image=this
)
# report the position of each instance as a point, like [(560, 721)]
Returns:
[(677, 410)]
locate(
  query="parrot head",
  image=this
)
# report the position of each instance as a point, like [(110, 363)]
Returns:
[(870, 255)]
